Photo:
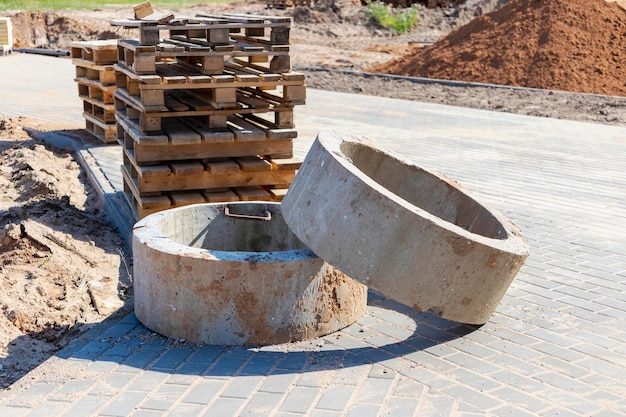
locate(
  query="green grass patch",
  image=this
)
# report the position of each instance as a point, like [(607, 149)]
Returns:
[(402, 20), (47, 5)]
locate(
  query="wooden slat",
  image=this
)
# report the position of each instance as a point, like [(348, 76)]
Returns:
[(243, 130), (253, 194), (145, 152), (179, 133), (253, 164)]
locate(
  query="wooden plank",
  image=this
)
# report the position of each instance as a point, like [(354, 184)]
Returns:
[(187, 168), (208, 134), (154, 172), (185, 198), (286, 163), (243, 130), (277, 193), (253, 164), (178, 176), (173, 104), (211, 181), (194, 101), (142, 10), (253, 194), (224, 167), (146, 152), (178, 132), (220, 196), (139, 137)]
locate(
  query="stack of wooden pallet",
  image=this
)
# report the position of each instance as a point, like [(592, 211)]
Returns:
[(6, 36), (95, 76), (205, 114)]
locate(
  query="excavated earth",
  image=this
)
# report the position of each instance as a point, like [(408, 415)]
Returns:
[(63, 268)]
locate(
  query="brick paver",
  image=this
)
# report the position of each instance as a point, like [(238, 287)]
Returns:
[(554, 347)]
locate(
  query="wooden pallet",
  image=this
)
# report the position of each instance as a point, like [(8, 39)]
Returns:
[(189, 130), (147, 92), (94, 90), (211, 29), (283, 4), (210, 174), (102, 52), (161, 147), (104, 74), (143, 205), (105, 113), (106, 132), (197, 111), (6, 36)]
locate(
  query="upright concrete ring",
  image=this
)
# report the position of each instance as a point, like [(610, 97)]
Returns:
[(412, 235), (234, 274)]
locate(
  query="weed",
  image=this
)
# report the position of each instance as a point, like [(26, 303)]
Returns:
[(402, 20)]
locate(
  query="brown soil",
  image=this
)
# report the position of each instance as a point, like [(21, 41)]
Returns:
[(556, 45), (62, 267)]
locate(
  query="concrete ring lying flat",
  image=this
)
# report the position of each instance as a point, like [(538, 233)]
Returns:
[(234, 274), (412, 235)]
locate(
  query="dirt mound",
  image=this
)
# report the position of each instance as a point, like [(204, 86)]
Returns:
[(552, 44), (61, 263), (51, 30)]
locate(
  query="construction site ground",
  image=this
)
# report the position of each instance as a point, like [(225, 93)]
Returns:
[(555, 345)]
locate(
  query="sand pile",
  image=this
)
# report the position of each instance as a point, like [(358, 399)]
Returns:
[(552, 44)]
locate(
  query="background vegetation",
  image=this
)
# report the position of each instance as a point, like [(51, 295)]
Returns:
[(46, 5)]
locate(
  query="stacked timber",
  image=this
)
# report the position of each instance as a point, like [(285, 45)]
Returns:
[(6, 36), (205, 114), (95, 76)]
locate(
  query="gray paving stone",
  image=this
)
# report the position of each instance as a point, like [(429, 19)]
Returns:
[(301, 399), (123, 404), (399, 406), (85, 406), (473, 397), (225, 407), (520, 399), (242, 387), (147, 381), (260, 364), (381, 372), (171, 359), (262, 404), (562, 318), (149, 413), (351, 375), (512, 411), (162, 398), (437, 406), (323, 413), (112, 384), (14, 411), (363, 410), (204, 391), (69, 390), (373, 390), (187, 410), (36, 393), (336, 397), (278, 383), (49, 408)]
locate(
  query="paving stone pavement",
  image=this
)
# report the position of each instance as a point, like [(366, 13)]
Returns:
[(556, 345)]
